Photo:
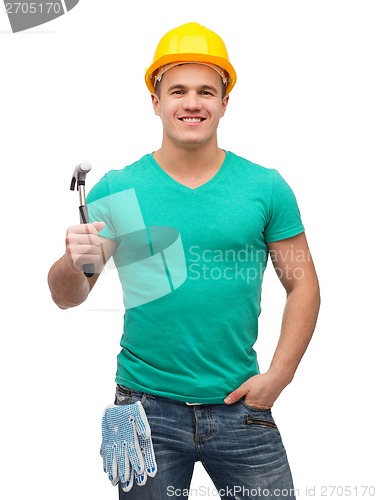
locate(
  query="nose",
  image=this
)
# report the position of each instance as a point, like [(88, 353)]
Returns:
[(192, 101)]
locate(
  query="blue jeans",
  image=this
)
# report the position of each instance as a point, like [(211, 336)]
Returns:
[(240, 447)]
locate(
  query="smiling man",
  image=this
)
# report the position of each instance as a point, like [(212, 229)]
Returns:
[(191, 227), (190, 103)]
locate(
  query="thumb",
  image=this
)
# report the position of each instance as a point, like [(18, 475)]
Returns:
[(99, 225), (234, 396)]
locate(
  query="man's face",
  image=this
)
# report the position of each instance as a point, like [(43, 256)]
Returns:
[(190, 104)]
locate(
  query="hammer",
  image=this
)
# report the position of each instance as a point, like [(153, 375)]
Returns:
[(79, 175)]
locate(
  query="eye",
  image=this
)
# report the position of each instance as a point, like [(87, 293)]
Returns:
[(206, 92), (177, 92)]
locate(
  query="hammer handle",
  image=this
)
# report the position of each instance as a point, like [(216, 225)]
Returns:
[(84, 219)]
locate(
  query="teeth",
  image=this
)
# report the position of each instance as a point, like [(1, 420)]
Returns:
[(191, 120)]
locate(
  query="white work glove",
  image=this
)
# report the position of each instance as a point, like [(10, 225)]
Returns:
[(127, 448)]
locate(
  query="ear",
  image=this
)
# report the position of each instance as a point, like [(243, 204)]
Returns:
[(225, 103), (156, 104)]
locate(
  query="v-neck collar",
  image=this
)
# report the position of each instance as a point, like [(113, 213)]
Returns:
[(183, 187)]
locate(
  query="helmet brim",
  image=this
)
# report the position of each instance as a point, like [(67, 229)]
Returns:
[(191, 58)]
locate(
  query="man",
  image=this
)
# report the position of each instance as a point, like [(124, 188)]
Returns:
[(190, 228)]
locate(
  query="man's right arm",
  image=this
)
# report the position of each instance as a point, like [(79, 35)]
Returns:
[(68, 285)]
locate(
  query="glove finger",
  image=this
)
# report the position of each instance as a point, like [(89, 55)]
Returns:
[(103, 448), (147, 450), (122, 460), (115, 481), (110, 466), (106, 449), (127, 466), (112, 458), (108, 458), (134, 451), (141, 420), (103, 453), (141, 479), (128, 483), (114, 466)]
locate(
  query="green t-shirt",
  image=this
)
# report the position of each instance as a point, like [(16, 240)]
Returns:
[(191, 264)]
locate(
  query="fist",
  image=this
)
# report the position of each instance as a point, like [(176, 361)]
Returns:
[(83, 245)]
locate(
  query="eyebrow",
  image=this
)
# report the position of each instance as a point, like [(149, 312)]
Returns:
[(210, 88)]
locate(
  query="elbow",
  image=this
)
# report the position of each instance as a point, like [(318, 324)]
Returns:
[(319, 299), (316, 293), (308, 291)]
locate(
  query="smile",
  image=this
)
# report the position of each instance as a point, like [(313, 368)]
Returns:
[(192, 120)]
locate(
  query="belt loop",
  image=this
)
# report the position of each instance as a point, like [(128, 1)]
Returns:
[(143, 398)]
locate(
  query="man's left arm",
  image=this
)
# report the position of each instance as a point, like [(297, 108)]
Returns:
[(294, 266)]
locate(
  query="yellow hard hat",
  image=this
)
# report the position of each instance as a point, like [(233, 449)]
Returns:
[(191, 43)]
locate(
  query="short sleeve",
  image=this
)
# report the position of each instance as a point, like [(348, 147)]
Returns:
[(285, 219), (99, 207)]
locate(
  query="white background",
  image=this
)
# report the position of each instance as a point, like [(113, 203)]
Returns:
[(305, 103)]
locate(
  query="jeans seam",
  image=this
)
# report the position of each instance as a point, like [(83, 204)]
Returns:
[(199, 438), (210, 475)]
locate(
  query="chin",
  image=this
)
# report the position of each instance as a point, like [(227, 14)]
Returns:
[(194, 139)]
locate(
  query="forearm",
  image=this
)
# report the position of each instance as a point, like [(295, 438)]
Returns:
[(68, 287), (298, 324)]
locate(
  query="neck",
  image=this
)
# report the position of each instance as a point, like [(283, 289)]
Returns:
[(190, 166)]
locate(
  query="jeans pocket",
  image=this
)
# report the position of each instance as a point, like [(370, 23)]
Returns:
[(257, 416), (249, 420), (252, 408)]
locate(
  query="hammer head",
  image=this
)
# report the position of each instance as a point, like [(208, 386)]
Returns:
[(79, 174)]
